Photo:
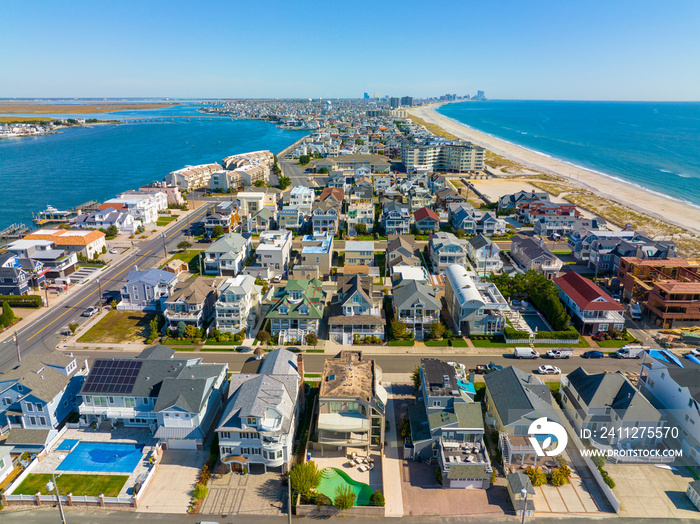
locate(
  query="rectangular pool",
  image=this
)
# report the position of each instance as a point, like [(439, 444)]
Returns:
[(101, 457), (534, 320), (67, 445)]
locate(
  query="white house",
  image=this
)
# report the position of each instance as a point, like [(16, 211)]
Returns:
[(146, 290), (445, 250), (238, 306), (273, 251), (103, 218), (484, 255), (142, 208), (303, 198)]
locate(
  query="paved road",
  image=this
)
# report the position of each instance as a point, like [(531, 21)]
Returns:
[(406, 363), (43, 334)]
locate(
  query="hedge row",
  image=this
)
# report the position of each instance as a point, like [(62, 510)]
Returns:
[(511, 333), (22, 300)]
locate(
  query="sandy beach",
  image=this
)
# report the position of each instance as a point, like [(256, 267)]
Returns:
[(658, 206)]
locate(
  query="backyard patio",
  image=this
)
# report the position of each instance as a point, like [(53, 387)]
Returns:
[(357, 467)]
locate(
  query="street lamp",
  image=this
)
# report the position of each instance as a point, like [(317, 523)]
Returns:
[(165, 252), (19, 355), (99, 296), (51, 485), (523, 493)]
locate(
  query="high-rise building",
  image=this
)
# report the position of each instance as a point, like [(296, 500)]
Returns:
[(456, 158), (366, 96), (480, 96), (406, 101), (376, 95), (394, 102)]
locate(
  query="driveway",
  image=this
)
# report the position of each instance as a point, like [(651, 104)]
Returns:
[(171, 489)]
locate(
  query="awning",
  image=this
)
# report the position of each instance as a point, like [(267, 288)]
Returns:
[(235, 458)]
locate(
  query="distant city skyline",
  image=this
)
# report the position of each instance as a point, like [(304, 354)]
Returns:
[(626, 50)]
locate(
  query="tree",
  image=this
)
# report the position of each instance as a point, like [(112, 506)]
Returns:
[(415, 376), (305, 477), (181, 329), (405, 428), (344, 497), (437, 330), (312, 339), (263, 336), (536, 476), (361, 229), (8, 316), (323, 170), (217, 231), (304, 160), (153, 328), (259, 183), (377, 499), (200, 491), (112, 231), (190, 332), (284, 182), (398, 329), (183, 245), (73, 326)]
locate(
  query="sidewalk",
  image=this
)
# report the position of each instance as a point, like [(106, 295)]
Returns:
[(392, 464)]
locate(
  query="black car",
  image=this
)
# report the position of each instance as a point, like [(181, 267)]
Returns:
[(593, 354)]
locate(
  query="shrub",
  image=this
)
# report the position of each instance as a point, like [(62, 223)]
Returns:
[(377, 499), (305, 477), (321, 500), (73, 326), (536, 476), (344, 497), (558, 478), (263, 336), (22, 300), (438, 476), (200, 491)]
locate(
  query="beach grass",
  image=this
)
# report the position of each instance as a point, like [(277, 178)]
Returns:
[(433, 128), (78, 485), (24, 120)]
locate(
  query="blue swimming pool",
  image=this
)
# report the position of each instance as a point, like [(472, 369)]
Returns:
[(67, 445), (96, 457), (534, 320)]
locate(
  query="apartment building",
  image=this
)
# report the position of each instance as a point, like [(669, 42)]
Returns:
[(460, 157), (191, 177), (302, 198)]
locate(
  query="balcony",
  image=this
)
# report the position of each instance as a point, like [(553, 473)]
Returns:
[(420, 320), (344, 422), (113, 411)]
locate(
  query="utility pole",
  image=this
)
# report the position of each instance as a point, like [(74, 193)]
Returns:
[(19, 356), (99, 296), (289, 495), (46, 293), (51, 486), (165, 251)]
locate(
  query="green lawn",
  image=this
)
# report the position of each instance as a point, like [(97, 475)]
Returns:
[(459, 343), (190, 257), (438, 343), (614, 343), (78, 485), (491, 344), (563, 252), (118, 327), (401, 343)]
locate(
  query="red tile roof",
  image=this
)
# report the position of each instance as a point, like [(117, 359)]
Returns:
[(586, 294), (115, 205), (425, 213)]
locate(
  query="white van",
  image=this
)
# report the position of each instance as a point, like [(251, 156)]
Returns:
[(525, 352), (635, 312), (631, 351), (560, 353)]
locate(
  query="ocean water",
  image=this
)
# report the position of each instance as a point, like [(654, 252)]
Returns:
[(654, 145), (96, 163)]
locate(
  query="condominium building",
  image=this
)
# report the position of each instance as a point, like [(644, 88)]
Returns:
[(273, 251), (462, 157), (303, 198), (238, 306), (191, 177)]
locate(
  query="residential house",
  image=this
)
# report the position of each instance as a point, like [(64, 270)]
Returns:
[(250, 202), (382, 182), (445, 250), (401, 251), (416, 305), (177, 398), (13, 279), (530, 254), (672, 385), (225, 215), (610, 407), (359, 253), (318, 250), (172, 192), (488, 224), (511, 202), (514, 400), (290, 217), (159, 200), (263, 220), (561, 225), (274, 251), (436, 182), (354, 313), (256, 430), (142, 208), (191, 177), (325, 217), (419, 197), (351, 403), (447, 427), (447, 195), (531, 211), (340, 180), (335, 195), (104, 218), (591, 309), (303, 198), (360, 194), (238, 306), (484, 255), (146, 290), (360, 213), (88, 244), (227, 256), (462, 218), (473, 307), (605, 258), (396, 218), (43, 258), (580, 240), (191, 302), (38, 394), (297, 310), (426, 220)]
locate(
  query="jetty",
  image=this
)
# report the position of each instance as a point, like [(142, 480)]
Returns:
[(14, 232)]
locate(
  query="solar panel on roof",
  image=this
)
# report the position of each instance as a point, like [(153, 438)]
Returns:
[(112, 376)]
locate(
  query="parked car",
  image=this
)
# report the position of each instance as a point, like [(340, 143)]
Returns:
[(113, 250), (277, 279), (549, 370), (483, 369), (630, 351), (525, 352), (593, 354), (560, 353), (92, 310)]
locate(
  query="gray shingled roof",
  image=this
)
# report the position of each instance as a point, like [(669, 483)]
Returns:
[(409, 292), (34, 437), (36, 374)]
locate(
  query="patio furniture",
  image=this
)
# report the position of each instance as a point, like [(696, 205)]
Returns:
[(353, 454), (364, 468), (353, 463), (371, 465)]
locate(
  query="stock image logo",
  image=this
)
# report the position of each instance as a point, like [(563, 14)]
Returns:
[(542, 426)]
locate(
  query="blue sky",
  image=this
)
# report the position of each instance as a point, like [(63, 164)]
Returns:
[(593, 50)]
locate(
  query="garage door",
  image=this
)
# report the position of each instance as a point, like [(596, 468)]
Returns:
[(182, 444), (468, 483)]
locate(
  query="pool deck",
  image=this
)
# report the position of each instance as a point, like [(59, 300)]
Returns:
[(139, 436), (341, 460)]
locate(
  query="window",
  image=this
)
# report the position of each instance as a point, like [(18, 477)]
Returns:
[(7, 401), (65, 403), (19, 387), (39, 407), (42, 421), (88, 400), (251, 421), (111, 400), (30, 407), (32, 421), (225, 434), (129, 402)]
